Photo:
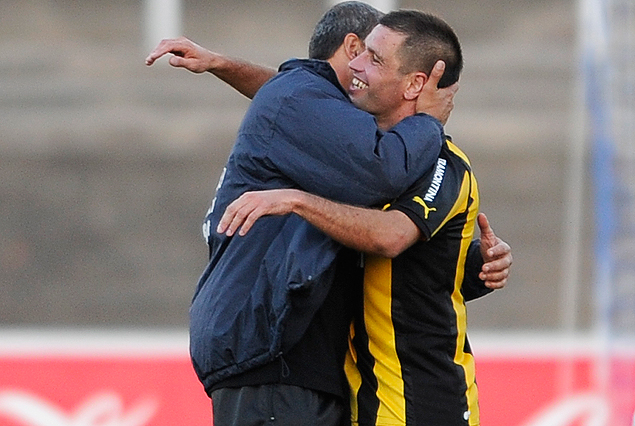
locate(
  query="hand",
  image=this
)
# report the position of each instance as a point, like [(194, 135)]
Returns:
[(496, 254), (245, 210), (434, 101), (186, 54)]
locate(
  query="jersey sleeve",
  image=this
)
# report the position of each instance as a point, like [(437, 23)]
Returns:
[(436, 197)]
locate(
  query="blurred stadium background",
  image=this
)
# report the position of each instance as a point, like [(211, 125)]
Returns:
[(107, 168)]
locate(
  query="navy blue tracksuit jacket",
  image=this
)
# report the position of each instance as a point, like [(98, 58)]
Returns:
[(259, 292)]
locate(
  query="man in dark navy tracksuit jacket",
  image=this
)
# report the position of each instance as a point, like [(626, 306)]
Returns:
[(299, 132)]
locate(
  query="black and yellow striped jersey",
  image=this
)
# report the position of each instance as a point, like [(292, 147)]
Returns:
[(409, 361)]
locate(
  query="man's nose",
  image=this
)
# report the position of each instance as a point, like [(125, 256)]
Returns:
[(356, 63)]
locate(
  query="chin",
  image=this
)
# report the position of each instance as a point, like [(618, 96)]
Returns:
[(357, 101)]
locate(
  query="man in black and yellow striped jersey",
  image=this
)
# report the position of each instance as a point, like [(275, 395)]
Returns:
[(409, 359)]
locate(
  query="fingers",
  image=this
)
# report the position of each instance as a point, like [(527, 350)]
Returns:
[(501, 264), (227, 219), (433, 101), (452, 89), (496, 272), (175, 46), (496, 282), (240, 214), (245, 219), (153, 56), (243, 212), (164, 47), (499, 250), (233, 216)]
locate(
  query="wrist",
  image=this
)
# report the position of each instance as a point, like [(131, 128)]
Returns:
[(215, 62), (299, 201)]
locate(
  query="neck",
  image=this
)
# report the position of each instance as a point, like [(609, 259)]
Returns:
[(390, 120), (342, 75), (339, 62)]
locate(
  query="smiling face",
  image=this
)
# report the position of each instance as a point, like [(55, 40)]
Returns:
[(378, 86)]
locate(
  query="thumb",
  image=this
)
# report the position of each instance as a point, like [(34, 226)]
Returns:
[(487, 234), (436, 73)]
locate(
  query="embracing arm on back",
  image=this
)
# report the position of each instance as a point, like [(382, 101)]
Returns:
[(384, 233)]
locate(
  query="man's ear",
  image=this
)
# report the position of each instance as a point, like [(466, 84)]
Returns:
[(416, 81), (353, 46)]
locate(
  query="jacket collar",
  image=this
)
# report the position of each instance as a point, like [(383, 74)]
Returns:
[(315, 66)]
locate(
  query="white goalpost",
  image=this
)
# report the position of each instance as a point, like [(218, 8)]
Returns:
[(604, 126), (163, 19)]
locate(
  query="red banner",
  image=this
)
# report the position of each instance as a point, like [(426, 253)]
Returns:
[(71, 379), (44, 391)]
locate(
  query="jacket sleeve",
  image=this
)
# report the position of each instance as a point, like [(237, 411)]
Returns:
[(330, 148), (473, 286)]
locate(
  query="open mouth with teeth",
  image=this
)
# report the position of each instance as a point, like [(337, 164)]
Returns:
[(358, 84)]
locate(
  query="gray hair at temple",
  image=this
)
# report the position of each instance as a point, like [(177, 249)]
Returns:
[(343, 18)]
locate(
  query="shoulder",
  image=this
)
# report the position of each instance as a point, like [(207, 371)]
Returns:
[(452, 151), (302, 77)]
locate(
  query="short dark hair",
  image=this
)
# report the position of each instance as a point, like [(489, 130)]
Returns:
[(428, 39), (343, 18)]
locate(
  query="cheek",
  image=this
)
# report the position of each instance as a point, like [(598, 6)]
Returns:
[(385, 89), (375, 80)]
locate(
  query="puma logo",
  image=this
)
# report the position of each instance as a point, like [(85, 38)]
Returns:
[(426, 209)]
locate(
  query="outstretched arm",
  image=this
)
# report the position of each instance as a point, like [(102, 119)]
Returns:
[(243, 76)]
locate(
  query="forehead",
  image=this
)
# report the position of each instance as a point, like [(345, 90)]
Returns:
[(383, 41)]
